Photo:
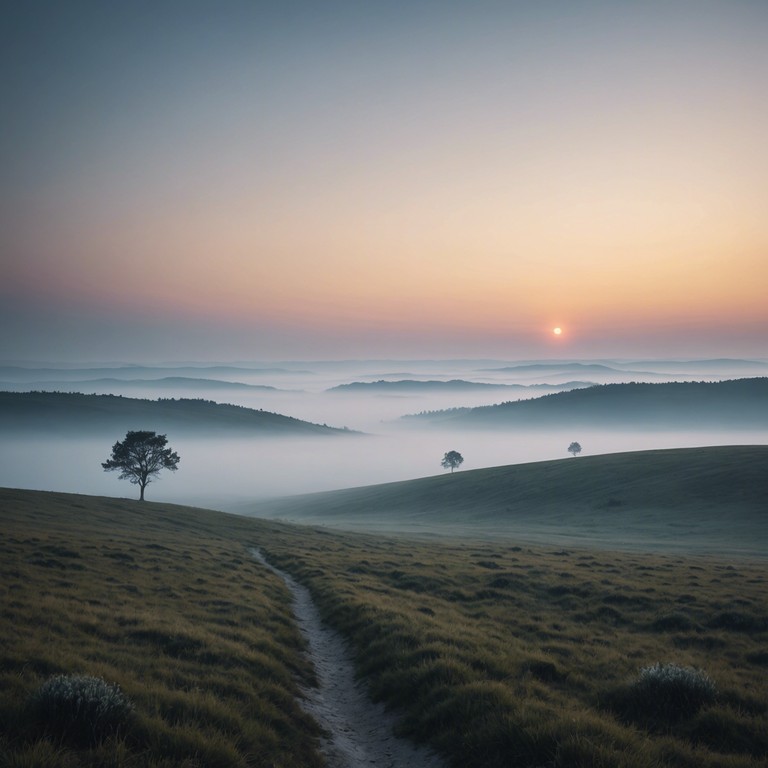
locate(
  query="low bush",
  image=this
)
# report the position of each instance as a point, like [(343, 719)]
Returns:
[(79, 709), (667, 693)]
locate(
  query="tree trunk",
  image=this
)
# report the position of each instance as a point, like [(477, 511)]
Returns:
[(141, 495)]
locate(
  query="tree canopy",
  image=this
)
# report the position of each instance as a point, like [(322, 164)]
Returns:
[(140, 457), (574, 448), (452, 460)]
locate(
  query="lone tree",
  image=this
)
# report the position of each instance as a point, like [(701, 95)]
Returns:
[(140, 457), (575, 449), (452, 460)]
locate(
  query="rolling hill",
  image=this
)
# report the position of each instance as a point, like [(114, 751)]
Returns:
[(78, 414), (719, 366), (736, 404), (560, 368), (453, 385), (169, 384), (27, 374), (708, 499)]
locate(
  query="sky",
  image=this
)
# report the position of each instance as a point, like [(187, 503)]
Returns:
[(333, 180)]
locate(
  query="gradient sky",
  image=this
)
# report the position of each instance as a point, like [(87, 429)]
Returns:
[(273, 180)]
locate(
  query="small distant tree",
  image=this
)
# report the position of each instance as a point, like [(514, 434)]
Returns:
[(140, 457), (452, 460), (575, 449)]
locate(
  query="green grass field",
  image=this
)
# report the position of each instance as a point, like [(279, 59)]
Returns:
[(500, 651), (693, 499), (165, 602), (503, 654)]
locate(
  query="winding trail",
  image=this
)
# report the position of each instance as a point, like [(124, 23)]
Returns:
[(360, 731)]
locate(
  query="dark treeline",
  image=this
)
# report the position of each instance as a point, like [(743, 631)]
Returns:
[(736, 404), (75, 413)]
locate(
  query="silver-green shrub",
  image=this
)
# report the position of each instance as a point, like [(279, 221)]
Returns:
[(669, 692), (80, 709)]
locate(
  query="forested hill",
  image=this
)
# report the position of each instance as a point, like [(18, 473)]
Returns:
[(736, 404), (71, 413)]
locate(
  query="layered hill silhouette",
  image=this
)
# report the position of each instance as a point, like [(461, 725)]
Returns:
[(660, 369), (129, 372), (740, 403), (411, 386), (712, 499), (560, 367), (78, 414), (172, 384)]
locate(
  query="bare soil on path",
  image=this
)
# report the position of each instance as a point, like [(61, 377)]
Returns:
[(359, 731)]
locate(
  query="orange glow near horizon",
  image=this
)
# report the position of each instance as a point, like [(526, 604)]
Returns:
[(342, 189), (332, 287)]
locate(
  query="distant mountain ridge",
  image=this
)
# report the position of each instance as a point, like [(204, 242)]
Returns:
[(167, 382), (76, 414), (131, 372), (708, 364), (457, 385), (738, 403), (544, 367)]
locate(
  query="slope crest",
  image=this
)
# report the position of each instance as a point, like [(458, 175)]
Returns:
[(713, 498)]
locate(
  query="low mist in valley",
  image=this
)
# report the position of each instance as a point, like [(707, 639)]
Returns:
[(218, 472), (223, 471)]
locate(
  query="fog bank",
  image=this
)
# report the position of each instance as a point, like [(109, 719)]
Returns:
[(222, 471)]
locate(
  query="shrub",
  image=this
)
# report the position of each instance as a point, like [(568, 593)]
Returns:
[(667, 693), (80, 709)]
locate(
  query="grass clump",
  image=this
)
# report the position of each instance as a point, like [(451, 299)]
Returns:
[(667, 693), (79, 708)]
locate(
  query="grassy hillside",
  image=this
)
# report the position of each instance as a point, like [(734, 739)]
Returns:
[(72, 413), (163, 601), (531, 656), (498, 653), (737, 404), (701, 498)]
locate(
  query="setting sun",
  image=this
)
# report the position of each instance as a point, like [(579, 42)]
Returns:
[(557, 331)]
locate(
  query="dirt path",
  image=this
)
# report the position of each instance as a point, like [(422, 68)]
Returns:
[(360, 731)]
